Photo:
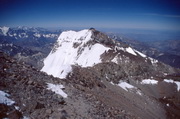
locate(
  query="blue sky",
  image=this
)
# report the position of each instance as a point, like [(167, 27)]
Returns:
[(141, 14)]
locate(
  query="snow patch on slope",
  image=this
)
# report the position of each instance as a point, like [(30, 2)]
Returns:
[(4, 98), (153, 61), (91, 56), (171, 81), (115, 59), (131, 51), (141, 54), (149, 81), (126, 86), (57, 89)]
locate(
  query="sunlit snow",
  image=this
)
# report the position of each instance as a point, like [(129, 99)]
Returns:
[(126, 86), (130, 50), (91, 56), (4, 98), (57, 89), (153, 61), (171, 81), (115, 59), (37, 35), (149, 81), (141, 54)]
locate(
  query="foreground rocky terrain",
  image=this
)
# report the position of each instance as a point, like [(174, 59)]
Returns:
[(88, 95), (27, 88)]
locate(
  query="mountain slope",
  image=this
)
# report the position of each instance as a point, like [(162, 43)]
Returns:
[(166, 51), (84, 94), (37, 95), (120, 71)]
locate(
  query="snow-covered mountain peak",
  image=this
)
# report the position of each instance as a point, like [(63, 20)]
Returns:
[(73, 39), (85, 36), (73, 36), (73, 48), (87, 48)]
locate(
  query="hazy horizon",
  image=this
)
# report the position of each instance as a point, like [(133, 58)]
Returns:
[(109, 14)]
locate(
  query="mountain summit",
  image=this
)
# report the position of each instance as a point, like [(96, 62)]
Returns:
[(89, 47), (73, 48)]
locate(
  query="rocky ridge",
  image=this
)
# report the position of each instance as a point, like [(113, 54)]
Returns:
[(166, 51)]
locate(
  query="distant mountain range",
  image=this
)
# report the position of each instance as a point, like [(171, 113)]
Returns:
[(27, 44)]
